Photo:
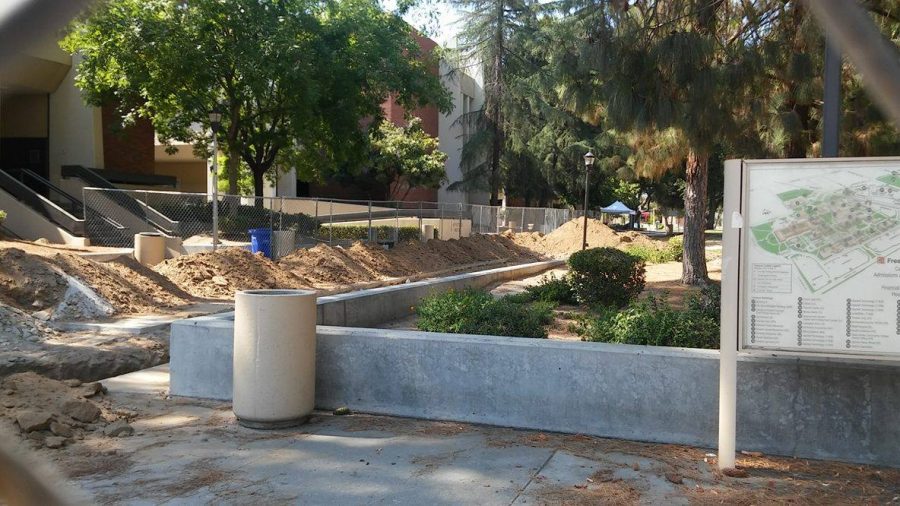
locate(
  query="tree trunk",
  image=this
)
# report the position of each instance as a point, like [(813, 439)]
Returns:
[(258, 186), (694, 260), (233, 169)]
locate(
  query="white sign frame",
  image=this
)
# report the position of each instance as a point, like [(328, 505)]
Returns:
[(734, 284)]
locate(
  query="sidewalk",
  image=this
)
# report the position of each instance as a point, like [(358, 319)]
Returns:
[(189, 451)]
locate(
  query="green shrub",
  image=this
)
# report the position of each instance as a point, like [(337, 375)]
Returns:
[(605, 276), (478, 312), (2, 216), (552, 289), (654, 322), (670, 252), (361, 233)]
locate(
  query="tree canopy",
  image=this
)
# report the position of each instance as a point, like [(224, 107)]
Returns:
[(295, 78)]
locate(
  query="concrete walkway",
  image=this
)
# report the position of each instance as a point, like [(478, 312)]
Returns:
[(186, 451)]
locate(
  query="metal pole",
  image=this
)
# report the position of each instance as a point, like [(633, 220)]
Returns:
[(587, 176), (330, 220), (215, 188), (370, 221), (851, 28), (460, 219), (420, 218), (728, 336), (397, 223), (832, 105)]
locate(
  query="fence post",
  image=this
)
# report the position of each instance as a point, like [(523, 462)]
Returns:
[(420, 217), (330, 220), (146, 208), (522, 225), (397, 224), (480, 218), (459, 210), (370, 221)]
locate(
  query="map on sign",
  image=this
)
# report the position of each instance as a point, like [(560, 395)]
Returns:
[(822, 256)]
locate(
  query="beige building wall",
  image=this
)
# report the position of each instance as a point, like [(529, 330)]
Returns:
[(191, 175)]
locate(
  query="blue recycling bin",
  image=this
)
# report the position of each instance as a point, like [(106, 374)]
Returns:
[(261, 241)]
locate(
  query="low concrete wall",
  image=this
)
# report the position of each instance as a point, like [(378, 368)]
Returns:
[(828, 409)]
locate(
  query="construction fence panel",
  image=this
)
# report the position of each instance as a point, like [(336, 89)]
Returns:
[(113, 217)]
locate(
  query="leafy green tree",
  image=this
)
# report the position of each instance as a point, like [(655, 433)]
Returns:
[(406, 157), (295, 78)]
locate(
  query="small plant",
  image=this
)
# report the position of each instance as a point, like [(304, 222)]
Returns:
[(552, 289), (654, 322), (477, 312), (2, 216), (606, 277), (670, 252)]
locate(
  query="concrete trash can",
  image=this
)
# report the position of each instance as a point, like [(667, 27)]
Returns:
[(427, 233), (149, 248), (274, 357), (283, 242)]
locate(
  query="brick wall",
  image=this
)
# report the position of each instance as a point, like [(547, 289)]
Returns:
[(127, 149)]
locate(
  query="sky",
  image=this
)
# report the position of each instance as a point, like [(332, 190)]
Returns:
[(438, 19)]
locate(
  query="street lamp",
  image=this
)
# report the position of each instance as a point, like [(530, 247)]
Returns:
[(588, 162), (215, 122)]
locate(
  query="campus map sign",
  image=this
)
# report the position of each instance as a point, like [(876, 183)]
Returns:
[(821, 256)]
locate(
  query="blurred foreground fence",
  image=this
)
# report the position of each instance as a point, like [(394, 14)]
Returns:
[(113, 217)]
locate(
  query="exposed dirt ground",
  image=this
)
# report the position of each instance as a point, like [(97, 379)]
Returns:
[(567, 239), (186, 450)]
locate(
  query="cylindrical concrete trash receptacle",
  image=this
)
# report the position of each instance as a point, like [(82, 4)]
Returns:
[(283, 242), (427, 233), (149, 248), (274, 357)]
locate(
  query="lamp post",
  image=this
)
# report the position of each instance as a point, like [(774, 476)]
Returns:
[(588, 162), (215, 122)]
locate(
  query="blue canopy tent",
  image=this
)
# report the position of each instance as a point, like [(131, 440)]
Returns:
[(618, 207)]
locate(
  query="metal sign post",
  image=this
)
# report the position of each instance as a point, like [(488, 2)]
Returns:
[(731, 237)]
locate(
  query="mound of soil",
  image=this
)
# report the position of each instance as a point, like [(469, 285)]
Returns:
[(324, 266), (126, 284), (27, 282), (567, 239), (18, 329), (52, 413), (218, 275)]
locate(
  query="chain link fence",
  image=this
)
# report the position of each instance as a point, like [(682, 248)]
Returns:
[(113, 217)]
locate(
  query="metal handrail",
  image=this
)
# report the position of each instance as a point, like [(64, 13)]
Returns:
[(77, 205), (41, 204)]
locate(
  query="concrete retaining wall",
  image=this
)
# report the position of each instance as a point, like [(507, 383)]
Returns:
[(834, 409)]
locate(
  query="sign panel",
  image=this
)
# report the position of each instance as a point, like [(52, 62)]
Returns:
[(820, 256)]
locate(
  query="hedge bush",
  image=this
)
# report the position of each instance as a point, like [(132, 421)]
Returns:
[(671, 252), (361, 233), (605, 277), (478, 312), (552, 289), (653, 322)]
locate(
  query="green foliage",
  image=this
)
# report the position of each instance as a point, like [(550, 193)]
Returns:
[(670, 252), (407, 156), (654, 322), (361, 233), (552, 289), (606, 276), (295, 78), (478, 312), (2, 216)]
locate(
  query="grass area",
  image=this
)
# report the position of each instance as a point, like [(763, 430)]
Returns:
[(765, 237), (890, 179), (793, 194)]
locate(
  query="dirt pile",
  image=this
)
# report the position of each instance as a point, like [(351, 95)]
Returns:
[(567, 239), (27, 282), (19, 329), (126, 284), (52, 413), (42, 283), (325, 266), (218, 275)]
